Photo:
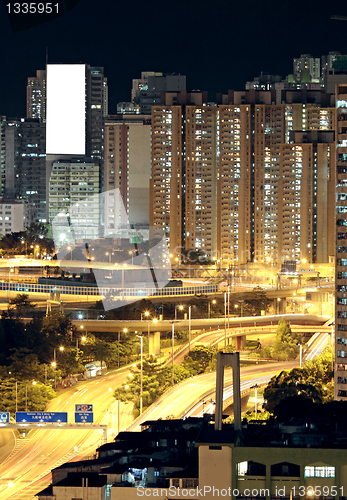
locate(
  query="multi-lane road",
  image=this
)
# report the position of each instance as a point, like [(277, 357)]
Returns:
[(26, 470), (21, 472)]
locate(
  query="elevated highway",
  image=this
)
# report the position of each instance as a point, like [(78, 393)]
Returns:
[(252, 323)]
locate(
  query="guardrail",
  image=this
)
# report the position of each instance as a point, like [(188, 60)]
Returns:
[(107, 291)]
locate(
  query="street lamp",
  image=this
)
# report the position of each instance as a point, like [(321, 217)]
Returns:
[(141, 338), (11, 270), (255, 398), (180, 308), (225, 320), (61, 348), (173, 337), (82, 340), (189, 325), (132, 257), (26, 247), (69, 248), (209, 307), (109, 256), (300, 345)]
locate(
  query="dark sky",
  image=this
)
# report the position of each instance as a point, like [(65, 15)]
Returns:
[(218, 44)]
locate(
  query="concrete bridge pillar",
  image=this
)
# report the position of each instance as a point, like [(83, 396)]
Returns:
[(241, 342), (280, 305), (154, 343)]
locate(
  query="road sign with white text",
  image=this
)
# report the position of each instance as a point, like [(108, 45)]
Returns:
[(4, 418), (32, 417), (84, 418), (84, 408)]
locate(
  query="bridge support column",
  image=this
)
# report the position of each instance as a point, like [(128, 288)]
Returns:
[(241, 342), (280, 306), (154, 343)]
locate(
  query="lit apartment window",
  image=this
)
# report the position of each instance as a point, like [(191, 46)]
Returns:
[(322, 471)]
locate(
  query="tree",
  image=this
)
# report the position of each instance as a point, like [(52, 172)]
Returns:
[(21, 304), (312, 382), (28, 396), (58, 330), (286, 343), (198, 359), (257, 301)]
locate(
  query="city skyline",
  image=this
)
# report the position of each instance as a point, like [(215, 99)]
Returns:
[(222, 58)]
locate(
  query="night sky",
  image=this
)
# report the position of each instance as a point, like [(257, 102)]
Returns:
[(218, 44)]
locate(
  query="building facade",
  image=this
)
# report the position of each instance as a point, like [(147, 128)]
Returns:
[(218, 174), (341, 248), (36, 96), (127, 169), (74, 205)]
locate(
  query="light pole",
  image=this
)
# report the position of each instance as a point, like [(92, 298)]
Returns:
[(180, 308), (61, 348), (225, 320), (300, 355), (228, 306), (141, 338), (26, 247), (173, 337), (82, 340), (209, 307), (54, 364), (11, 270), (189, 324), (255, 387), (132, 257)]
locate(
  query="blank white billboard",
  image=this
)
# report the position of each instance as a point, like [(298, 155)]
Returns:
[(65, 108)]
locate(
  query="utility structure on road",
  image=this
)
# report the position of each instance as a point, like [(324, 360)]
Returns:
[(232, 360)]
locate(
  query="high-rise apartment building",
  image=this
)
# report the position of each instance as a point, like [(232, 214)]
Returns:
[(307, 68), (127, 168), (218, 175), (148, 91), (36, 96), (166, 182), (24, 165), (77, 97), (307, 187), (12, 216), (341, 244), (72, 202)]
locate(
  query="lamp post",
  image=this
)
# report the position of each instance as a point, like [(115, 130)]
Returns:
[(300, 355), (189, 324), (173, 337), (141, 381), (11, 270), (225, 320), (82, 340), (255, 387), (132, 257), (228, 306), (54, 364), (180, 308), (26, 247), (209, 307)]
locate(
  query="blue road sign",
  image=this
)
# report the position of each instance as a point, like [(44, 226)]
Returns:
[(84, 408), (84, 418), (4, 418), (34, 417)]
